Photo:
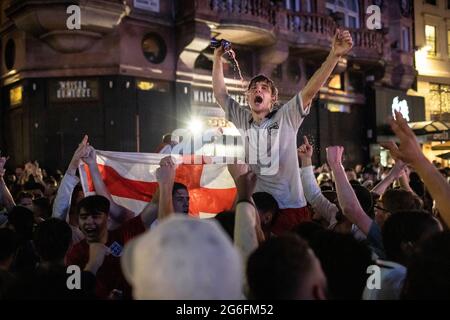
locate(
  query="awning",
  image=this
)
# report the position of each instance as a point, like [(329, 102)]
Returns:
[(445, 156), (429, 127), (442, 146)]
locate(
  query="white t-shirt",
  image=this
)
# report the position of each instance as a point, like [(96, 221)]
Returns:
[(271, 149)]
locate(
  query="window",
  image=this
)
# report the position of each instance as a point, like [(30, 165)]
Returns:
[(310, 6), (10, 54), (448, 43), (336, 82), (406, 44), (349, 9), (352, 22), (430, 38), (438, 101), (154, 48), (293, 5)]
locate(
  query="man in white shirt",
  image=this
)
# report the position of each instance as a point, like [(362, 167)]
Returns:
[(260, 123)]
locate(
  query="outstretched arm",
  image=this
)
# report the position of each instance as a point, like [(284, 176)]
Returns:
[(218, 80), (395, 173), (346, 195), (313, 194), (61, 204), (410, 152), (342, 43), (165, 175), (247, 226)]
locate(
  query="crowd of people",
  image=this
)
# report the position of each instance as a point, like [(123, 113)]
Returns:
[(302, 232)]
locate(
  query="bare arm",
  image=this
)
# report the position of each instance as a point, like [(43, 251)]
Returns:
[(346, 195), (117, 213), (342, 43), (247, 226), (218, 80), (410, 152), (395, 172), (61, 205), (165, 175), (404, 181), (149, 214), (313, 194)]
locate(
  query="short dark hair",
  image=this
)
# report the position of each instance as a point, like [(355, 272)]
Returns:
[(264, 78), (94, 204), (344, 261), (8, 243), (24, 194), (178, 186), (22, 219), (265, 202), (43, 204), (52, 239), (226, 220), (78, 188), (276, 269), (400, 199), (428, 274), (406, 226)]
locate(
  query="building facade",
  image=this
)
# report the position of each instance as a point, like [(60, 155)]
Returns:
[(432, 39), (133, 72)]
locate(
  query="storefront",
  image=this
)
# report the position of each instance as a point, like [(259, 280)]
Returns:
[(45, 119)]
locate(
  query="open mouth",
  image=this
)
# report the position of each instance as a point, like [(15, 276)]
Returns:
[(258, 99), (90, 231)]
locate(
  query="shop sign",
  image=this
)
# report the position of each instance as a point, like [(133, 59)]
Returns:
[(74, 90)]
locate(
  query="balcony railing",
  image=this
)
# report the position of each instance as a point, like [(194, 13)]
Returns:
[(246, 9), (370, 41), (310, 22), (304, 28)]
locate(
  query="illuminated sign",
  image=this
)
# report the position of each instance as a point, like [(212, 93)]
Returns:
[(145, 85), (15, 96), (68, 90), (387, 100), (400, 106)]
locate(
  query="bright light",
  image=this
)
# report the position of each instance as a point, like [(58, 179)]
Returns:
[(196, 125), (422, 59)]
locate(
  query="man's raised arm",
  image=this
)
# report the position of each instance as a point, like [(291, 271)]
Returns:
[(342, 43), (218, 80), (117, 213)]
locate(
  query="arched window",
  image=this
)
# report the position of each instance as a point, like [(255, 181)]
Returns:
[(348, 9)]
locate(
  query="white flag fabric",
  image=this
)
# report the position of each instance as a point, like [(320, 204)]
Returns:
[(130, 178)]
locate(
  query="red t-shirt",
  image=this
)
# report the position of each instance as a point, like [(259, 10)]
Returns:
[(109, 275)]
